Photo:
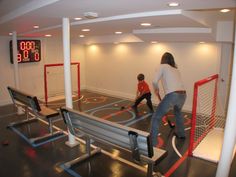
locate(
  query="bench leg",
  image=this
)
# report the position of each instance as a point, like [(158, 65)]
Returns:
[(149, 170), (82, 158), (151, 173), (85, 156), (50, 125), (24, 121), (46, 137)]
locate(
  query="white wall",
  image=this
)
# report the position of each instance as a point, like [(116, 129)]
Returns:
[(6, 70), (112, 69), (31, 74), (225, 76), (78, 55)]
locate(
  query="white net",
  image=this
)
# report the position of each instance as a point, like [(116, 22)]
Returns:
[(205, 114)]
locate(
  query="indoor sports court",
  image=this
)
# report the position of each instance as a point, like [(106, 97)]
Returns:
[(70, 78)]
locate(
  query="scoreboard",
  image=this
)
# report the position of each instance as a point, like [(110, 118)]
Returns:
[(27, 51)]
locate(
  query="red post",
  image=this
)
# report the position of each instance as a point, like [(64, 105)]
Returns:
[(193, 120)]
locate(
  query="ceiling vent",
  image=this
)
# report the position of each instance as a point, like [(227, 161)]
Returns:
[(90, 15)]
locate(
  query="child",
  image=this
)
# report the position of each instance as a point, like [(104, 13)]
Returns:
[(143, 91)]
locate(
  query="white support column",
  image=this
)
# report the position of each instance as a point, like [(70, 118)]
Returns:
[(67, 72), (227, 152), (16, 68)]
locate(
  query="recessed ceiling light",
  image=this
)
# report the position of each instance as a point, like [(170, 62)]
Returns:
[(36, 26), (85, 30), (154, 42), (77, 18), (173, 4), (48, 35), (224, 10), (118, 32), (81, 35), (145, 24), (202, 42)]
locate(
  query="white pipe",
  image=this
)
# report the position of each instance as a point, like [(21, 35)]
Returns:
[(227, 152), (67, 71), (14, 49), (16, 68)]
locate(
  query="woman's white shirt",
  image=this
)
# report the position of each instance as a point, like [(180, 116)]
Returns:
[(170, 77)]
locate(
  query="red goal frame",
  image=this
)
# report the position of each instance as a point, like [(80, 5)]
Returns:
[(197, 85), (56, 65)]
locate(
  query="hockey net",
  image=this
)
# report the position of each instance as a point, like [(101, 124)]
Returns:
[(54, 81), (208, 120)]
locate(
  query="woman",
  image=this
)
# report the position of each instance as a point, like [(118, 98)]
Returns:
[(175, 96)]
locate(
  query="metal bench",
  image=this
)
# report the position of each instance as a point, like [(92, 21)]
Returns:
[(31, 105), (135, 141)]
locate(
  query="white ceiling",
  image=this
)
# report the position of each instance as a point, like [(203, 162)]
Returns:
[(192, 20)]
